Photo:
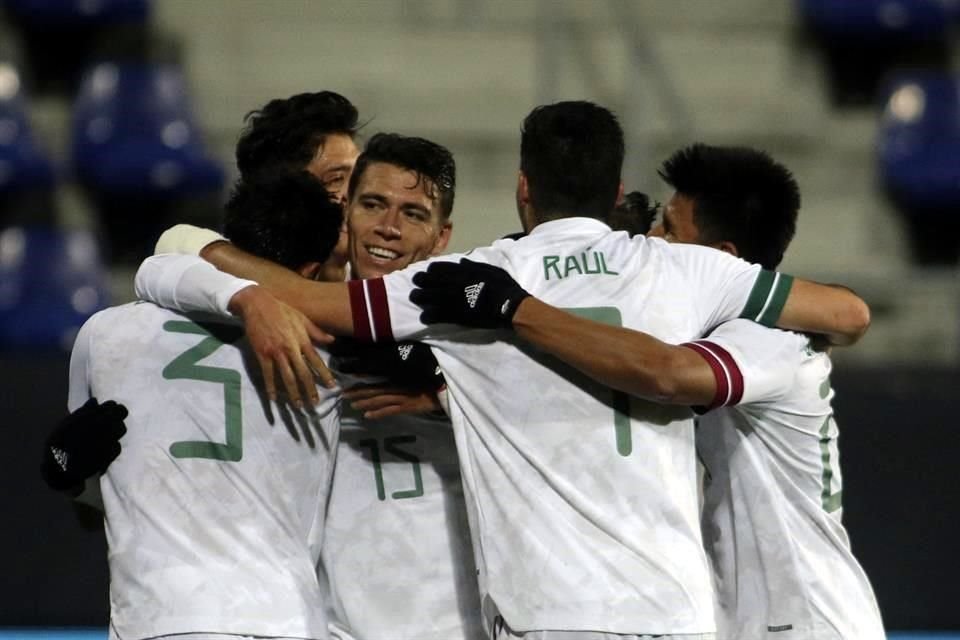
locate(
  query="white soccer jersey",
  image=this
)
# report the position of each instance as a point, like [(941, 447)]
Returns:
[(397, 545), (771, 523), (397, 557), (214, 508), (582, 503)]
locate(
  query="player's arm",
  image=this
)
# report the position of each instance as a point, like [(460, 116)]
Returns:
[(186, 286), (327, 304), (623, 359), (281, 336), (728, 288), (830, 310)]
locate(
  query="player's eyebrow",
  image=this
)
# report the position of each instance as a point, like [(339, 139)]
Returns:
[(416, 208), (373, 195), (338, 167)]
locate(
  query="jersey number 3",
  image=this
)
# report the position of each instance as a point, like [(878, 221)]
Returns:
[(185, 367)]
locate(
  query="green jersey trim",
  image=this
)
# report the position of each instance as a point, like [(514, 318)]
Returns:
[(767, 298)]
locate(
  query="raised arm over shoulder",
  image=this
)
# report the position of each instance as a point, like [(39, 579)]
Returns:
[(327, 304), (832, 310)]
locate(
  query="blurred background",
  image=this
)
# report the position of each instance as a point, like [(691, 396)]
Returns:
[(119, 117)]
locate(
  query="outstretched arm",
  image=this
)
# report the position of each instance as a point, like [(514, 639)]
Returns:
[(831, 310), (622, 359), (327, 304)]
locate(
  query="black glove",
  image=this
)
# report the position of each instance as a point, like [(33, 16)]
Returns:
[(472, 294), (83, 444), (406, 364)]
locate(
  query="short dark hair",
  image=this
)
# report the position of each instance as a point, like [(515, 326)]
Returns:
[(285, 133), (572, 156), (740, 195), (287, 218), (634, 215), (429, 160)]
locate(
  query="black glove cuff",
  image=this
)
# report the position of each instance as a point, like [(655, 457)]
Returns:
[(509, 307)]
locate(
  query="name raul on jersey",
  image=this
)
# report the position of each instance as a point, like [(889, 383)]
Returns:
[(588, 263)]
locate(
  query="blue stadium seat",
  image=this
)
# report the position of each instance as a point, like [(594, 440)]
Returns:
[(67, 14), (24, 164), (134, 133), (878, 19), (51, 281), (918, 147), (919, 140), (860, 42)]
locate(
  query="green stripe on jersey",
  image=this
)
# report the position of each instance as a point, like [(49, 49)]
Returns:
[(778, 298), (767, 297), (758, 295)]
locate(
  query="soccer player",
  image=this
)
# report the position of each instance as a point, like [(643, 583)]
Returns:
[(397, 551), (582, 505), (312, 131), (397, 547), (772, 515), (782, 562), (214, 512)]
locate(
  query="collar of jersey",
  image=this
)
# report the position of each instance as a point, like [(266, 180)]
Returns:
[(570, 226)]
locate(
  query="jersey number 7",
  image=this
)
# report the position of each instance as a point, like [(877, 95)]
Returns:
[(621, 401)]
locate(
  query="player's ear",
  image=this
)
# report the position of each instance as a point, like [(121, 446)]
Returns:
[(727, 247), (311, 270), (619, 194), (523, 191), (442, 239)]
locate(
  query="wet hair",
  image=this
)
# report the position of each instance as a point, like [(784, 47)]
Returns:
[(287, 218), (285, 133), (430, 161), (571, 154), (740, 195), (635, 214)]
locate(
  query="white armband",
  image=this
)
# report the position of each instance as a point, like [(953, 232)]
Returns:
[(187, 283), (185, 239)]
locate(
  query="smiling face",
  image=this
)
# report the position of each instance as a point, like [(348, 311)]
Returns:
[(394, 219)]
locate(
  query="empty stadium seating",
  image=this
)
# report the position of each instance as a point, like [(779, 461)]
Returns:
[(82, 30), (28, 175), (24, 163), (864, 40), (138, 152), (134, 132), (51, 281), (917, 150)]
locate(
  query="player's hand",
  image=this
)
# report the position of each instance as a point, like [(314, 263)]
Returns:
[(408, 365), (83, 444), (384, 401), (283, 341), (473, 294)]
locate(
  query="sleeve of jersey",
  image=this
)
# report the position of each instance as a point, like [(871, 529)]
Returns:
[(732, 288), (78, 390), (382, 311), (750, 364), (187, 283)]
